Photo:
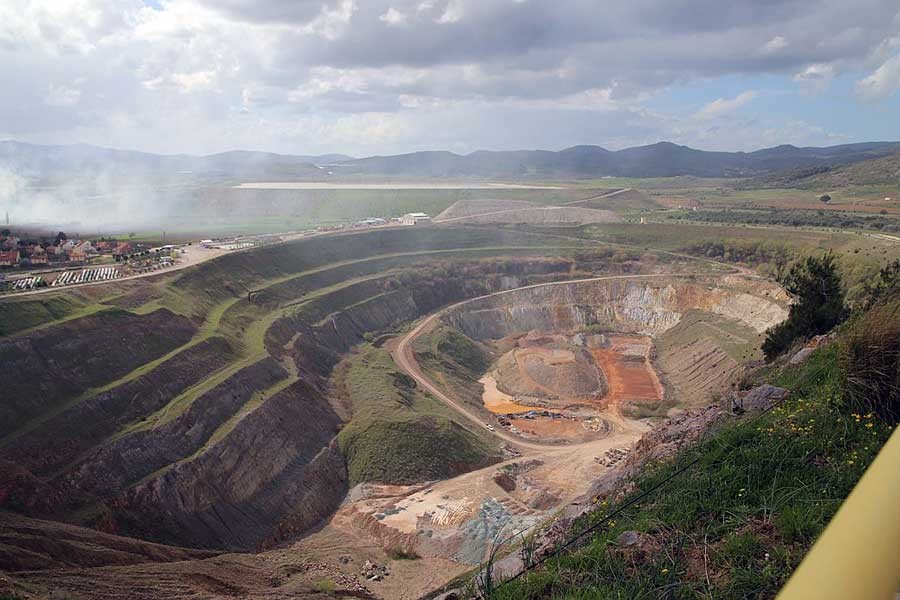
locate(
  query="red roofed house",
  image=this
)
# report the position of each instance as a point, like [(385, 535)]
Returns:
[(123, 248), (38, 256), (9, 258)]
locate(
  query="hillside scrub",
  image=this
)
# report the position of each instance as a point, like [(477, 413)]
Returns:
[(737, 523), (815, 285), (796, 217), (885, 285)]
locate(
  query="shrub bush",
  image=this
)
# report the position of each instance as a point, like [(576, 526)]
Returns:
[(815, 286), (870, 357)]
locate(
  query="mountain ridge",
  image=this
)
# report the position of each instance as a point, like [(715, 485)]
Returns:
[(661, 159)]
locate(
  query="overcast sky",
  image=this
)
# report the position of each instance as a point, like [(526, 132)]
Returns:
[(386, 76)]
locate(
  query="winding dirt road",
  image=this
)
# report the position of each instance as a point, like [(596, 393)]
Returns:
[(404, 358)]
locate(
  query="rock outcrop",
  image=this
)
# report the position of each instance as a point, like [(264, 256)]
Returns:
[(648, 306)]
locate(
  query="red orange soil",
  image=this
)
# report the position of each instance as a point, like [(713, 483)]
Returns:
[(629, 376)]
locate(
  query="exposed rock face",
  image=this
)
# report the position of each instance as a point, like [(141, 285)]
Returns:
[(51, 366), (60, 440), (648, 306), (697, 370), (276, 472), (134, 456)]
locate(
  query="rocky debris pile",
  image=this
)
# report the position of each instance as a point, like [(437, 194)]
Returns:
[(612, 457), (342, 581), (811, 346), (684, 429), (373, 572), (595, 424), (759, 398), (509, 451)]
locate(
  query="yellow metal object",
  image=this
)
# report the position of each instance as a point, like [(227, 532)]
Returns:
[(858, 555)]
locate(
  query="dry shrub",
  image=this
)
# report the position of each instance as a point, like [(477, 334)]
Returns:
[(870, 356)]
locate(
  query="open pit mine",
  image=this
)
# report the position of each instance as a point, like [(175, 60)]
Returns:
[(374, 409)]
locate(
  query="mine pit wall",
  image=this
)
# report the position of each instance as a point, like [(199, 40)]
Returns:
[(279, 470), (51, 366), (274, 473), (62, 439), (647, 306), (114, 466)]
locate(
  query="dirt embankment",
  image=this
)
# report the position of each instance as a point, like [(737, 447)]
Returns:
[(32, 544)]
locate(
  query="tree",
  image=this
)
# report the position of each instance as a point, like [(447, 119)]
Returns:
[(60, 237), (825, 198), (815, 286), (6, 233)]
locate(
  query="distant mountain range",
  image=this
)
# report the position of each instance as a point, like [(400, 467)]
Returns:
[(664, 159), (883, 171)]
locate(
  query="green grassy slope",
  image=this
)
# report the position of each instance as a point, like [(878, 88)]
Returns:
[(455, 362), (736, 524), (398, 434)]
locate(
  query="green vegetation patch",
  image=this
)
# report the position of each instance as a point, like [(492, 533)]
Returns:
[(16, 316), (736, 524), (796, 218), (398, 434), (455, 361)]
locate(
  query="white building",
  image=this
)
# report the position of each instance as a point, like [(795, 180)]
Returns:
[(415, 218)]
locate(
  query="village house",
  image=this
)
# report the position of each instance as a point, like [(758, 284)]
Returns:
[(55, 253), (37, 255), (415, 218), (122, 249), (9, 258), (79, 251), (9, 243)]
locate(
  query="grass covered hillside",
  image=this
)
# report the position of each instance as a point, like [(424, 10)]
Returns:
[(399, 434), (739, 521)]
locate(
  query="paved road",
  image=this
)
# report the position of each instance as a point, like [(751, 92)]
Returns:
[(404, 356)]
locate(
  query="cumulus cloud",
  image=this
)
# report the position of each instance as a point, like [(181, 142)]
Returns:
[(300, 75), (393, 17), (725, 106), (816, 78), (777, 43), (60, 95), (883, 82)]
